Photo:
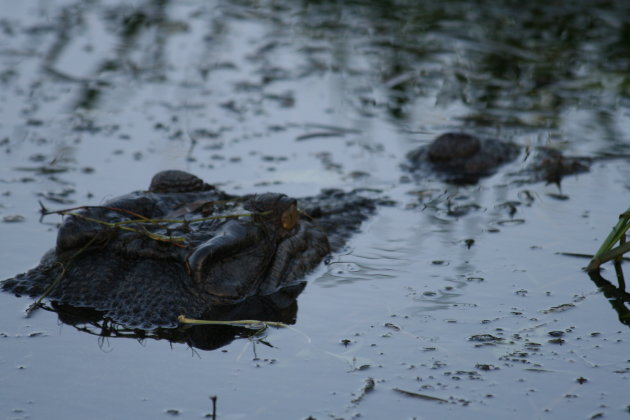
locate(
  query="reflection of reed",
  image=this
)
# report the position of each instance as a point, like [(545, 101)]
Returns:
[(130, 26), (508, 63), (617, 296)]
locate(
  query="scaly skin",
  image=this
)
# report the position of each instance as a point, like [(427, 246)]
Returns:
[(142, 282)]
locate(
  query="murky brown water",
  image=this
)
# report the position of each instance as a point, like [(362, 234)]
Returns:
[(95, 97)]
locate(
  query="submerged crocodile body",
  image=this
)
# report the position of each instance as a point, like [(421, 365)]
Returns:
[(460, 158), (184, 247)]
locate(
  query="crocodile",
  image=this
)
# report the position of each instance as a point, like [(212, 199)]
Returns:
[(184, 247), (461, 158)]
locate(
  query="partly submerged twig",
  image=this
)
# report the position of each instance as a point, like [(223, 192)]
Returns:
[(607, 251), (182, 319), (213, 398)]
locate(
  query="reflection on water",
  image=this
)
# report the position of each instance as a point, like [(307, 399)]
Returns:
[(278, 307), (618, 298), (510, 64)]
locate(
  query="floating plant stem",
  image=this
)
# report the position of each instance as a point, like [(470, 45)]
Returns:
[(175, 240), (240, 323), (201, 219)]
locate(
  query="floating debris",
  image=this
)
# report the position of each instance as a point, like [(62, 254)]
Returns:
[(14, 218), (484, 338), (559, 308), (420, 396), (367, 388)]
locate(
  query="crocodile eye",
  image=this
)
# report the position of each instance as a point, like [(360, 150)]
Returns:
[(289, 217)]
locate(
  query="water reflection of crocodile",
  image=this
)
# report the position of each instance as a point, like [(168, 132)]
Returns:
[(280, 306), (463, 159), (144, 258)]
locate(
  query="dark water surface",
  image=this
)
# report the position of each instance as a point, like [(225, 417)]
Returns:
[(295, 96)]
